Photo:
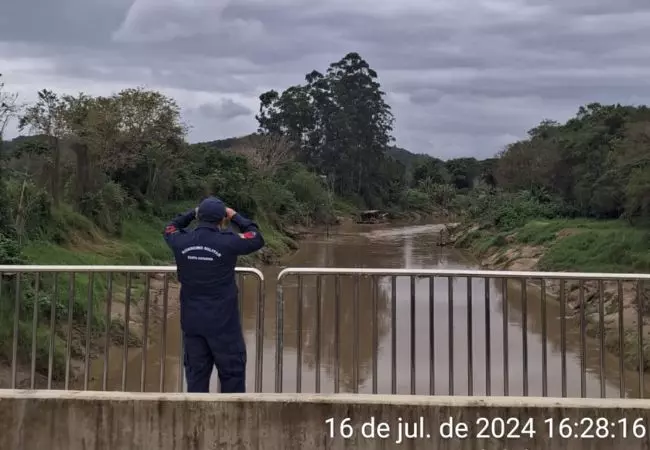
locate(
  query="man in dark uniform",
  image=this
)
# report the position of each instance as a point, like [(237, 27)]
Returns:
[(206, 258)]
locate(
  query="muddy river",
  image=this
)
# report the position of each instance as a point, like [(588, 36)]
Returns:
[(384, 343)]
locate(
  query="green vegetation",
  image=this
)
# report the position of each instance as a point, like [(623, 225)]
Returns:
[(92, 180), (580, 188), (571, 197), (586, 245), (341, 127)]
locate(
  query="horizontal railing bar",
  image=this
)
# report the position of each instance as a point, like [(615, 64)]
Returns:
[(462, 273), (588, 404), (119, 268), (339, 271)]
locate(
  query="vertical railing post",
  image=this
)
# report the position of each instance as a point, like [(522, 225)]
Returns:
[(259, 333), (299, 334), (279, 329), (470, 339), (89, 322), (450, 301), (393, 334), (14, 351), (488, 338)]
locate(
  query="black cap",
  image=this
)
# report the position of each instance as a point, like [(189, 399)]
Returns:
[(212, 210)]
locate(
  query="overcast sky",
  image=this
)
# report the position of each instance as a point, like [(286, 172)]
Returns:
[(464, 77)]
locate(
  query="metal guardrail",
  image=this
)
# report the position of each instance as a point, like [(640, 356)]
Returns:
[(608, 330), (473, 325), (53, 318)]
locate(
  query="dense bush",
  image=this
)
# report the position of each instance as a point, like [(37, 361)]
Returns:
[(597, 162), (508, 210), (596, 166)]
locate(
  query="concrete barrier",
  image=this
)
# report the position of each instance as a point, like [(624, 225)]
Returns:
[(59, 420)]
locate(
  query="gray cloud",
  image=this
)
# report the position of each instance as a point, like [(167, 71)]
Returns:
[(61, 21), (464, 77), (224, 110)]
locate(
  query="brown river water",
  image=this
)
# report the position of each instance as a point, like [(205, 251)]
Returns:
[(365, 330)]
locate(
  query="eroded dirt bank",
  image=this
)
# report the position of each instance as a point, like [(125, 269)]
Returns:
[(615, 301), (140, 311)]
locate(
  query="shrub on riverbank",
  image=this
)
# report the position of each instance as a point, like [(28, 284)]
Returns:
[(582, 245), (594, 167), (505, 211), (572, 198), (577, 245), (499, 219)]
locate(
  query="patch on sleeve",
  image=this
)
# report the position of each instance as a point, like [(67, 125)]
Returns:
[(248, 235), (170, 229)]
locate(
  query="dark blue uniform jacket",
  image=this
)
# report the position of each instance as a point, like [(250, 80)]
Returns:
[(206, 258)]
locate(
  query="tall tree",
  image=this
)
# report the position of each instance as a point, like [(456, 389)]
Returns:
[(45, 118), (340, 124), (463, 172), (265, 153), (146, 139), (77, 114), (431, 171), (8, 110)]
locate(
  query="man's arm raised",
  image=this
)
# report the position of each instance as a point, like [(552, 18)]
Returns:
[(250, 239), (178, 224)]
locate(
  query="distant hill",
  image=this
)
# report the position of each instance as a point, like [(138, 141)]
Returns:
[(223, 144), (407, 158), (402, 155), (9, 147)]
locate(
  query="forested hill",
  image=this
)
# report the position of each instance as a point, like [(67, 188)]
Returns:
[(417, 173), (408, 159), (224, 144)]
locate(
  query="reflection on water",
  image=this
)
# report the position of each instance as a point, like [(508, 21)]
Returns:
[(360, 342)]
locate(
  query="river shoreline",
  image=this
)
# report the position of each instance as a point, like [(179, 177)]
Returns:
[(269, 256), (510, 254), (137, 314)]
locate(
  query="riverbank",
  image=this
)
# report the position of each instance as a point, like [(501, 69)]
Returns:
[(576, 246), (140, 243)]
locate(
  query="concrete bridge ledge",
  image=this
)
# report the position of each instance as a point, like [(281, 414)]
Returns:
[(69, 420)]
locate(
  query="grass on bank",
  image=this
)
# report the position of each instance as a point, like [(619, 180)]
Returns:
[(583, 245), (73, 299), (75, 240)]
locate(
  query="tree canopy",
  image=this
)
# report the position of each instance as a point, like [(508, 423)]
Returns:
[(340, 126), (107, 156), (597, 162)]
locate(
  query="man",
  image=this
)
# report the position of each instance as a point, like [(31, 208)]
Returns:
[(206, 258)]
